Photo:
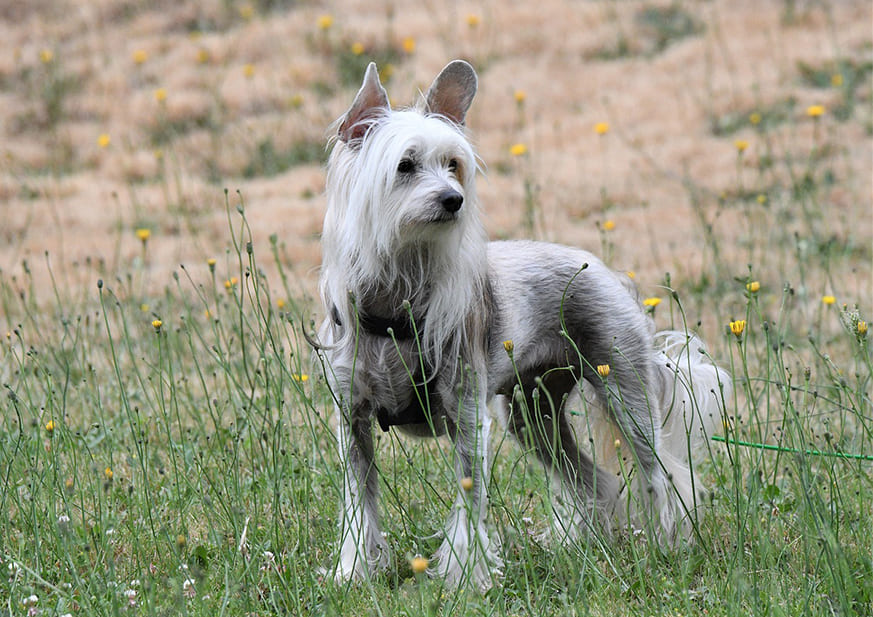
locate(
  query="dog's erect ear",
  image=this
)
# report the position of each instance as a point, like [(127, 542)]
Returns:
[(452, 92), (371, 101)]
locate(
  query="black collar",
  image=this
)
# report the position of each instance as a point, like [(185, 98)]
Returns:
[(400, 325)]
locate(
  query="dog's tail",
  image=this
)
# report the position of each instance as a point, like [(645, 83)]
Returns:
[(692, 392)]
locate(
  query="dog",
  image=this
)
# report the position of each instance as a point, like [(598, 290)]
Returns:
[(427, 322)]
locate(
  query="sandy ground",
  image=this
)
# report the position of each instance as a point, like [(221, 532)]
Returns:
[(233, 75)]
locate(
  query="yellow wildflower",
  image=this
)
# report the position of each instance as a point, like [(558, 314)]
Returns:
[(418, 564), (325, 22), (144, 307), (753, 287), (280, 304), (617, 444), (408, 44), (762, 198), (601, 128), (249, 70), (828, 300), (467, 484), (508, 346), (103, 140), (357, 48), (46, 55), (108, 473), (157, 323), (50, 426), (755, 118), (161, 95), (143, 233), (473, 20), (741, 145), (814, 111), (652, 302), (302, 377), (738, 326), (518, 150), (140, 56), (202, 56), (246, 11), (608, 225), (631, 274), (837, 80), (520, 96), (862, 328), (211, 263), (603, 370)]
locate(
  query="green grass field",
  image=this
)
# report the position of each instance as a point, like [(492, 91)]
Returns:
[(166, 442)]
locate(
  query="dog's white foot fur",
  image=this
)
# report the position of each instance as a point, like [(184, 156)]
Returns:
[(363, 552), (468, 551)]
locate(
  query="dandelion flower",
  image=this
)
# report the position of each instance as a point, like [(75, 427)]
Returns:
[(249, 70), (608, 225), (755, 118), (280, 304), (753, 287), (161, 95), (814, 111), (211, 263), (828, 300), (143, 233), (157, 323), (301, 377), (419, 564), (46, 56), (862, 330), (231, 283), (652, 302), (741, 145), (325, 22), (518, 150), (467, 484), (520, 96), (737, 327), (357, 48), (603, 370), (408, 44), (108, 473), (473, 20), (103, 140), (601, 128), (508, 346), (50, 426), (140, 56), (631, 274)]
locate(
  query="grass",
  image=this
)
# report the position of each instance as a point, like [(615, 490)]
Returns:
[(166, 441)]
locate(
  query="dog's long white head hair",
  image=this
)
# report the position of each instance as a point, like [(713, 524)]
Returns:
[(402, 221)]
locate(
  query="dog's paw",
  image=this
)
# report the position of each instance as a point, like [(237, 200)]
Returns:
[(468, 553)]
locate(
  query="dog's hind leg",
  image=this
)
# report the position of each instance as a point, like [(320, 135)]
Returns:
[(663, 497), (468, 549), (537, 419), (363, 549)]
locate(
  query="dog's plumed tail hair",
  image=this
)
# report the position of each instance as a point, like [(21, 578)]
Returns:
[(692, 394)]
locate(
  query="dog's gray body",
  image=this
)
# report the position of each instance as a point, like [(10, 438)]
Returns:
[(421, 312)]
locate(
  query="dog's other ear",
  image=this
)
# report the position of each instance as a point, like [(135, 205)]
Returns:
[(452, 92), (370, 102)]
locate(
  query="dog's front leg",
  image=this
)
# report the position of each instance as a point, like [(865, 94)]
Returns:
[(363, 549), (468, 549)]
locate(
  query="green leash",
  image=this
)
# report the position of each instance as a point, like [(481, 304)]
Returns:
[(764, 446)]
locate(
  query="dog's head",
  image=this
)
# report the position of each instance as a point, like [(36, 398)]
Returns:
[(405, 176)]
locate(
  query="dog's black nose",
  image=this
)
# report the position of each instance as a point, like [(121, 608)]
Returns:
[(451, 200)]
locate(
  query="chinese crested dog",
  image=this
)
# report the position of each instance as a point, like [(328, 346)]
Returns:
[(427, 322)]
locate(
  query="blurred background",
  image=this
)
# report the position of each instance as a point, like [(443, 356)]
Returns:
[(668, 136)]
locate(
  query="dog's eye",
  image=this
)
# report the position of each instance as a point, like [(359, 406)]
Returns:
[(406, 166), (453, 165)]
